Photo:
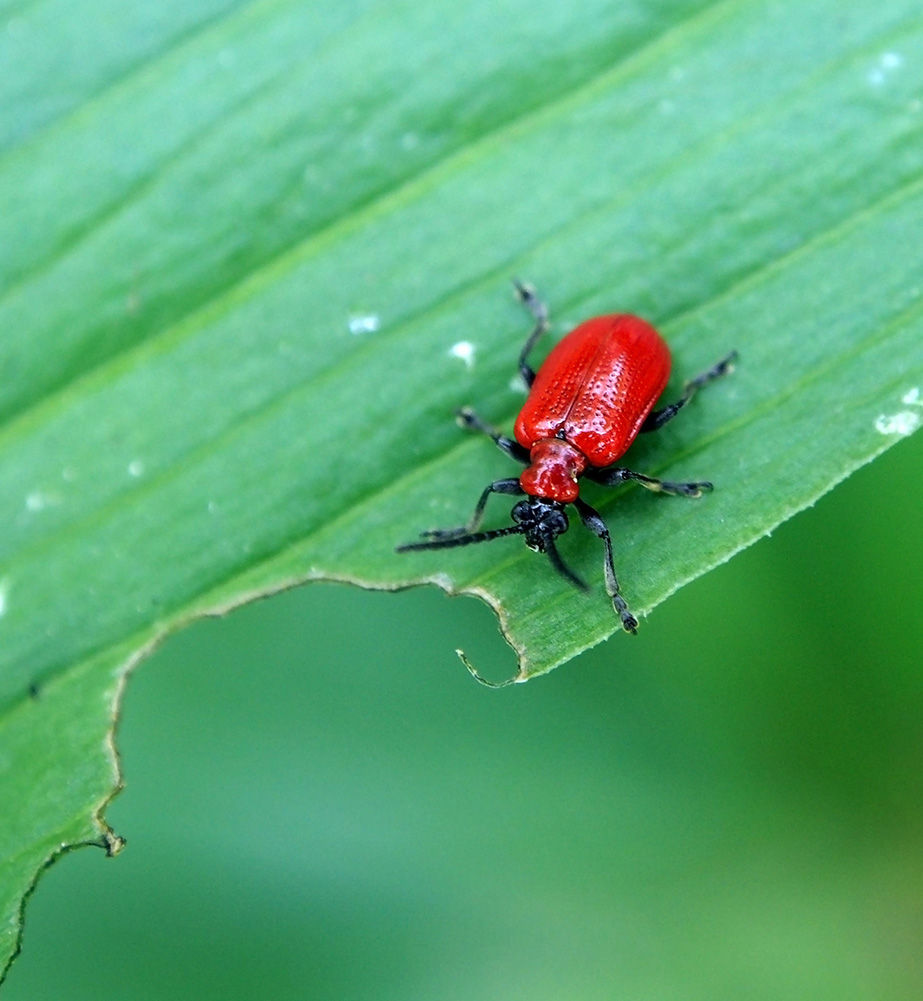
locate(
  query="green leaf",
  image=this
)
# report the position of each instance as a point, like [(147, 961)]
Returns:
[(238, 244)]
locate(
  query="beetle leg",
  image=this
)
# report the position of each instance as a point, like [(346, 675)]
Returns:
[(594, 522), (551, 551), (461, 540), (658, 418), (509, 486), (529, 298), (469, 419), (612, 477)]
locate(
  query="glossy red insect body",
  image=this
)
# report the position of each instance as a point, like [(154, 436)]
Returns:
[(589, 401), (591, 398)]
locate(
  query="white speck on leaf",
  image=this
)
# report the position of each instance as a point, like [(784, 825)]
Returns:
[(903, 422), (38, 500), (136, 468), (887, 63), (4, 591), (464, 350), (364, 323)]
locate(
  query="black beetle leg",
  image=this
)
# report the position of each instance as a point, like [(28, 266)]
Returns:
[(594, 522)]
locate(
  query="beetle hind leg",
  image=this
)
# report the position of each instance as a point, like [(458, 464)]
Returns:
[(658, 418), (529, 298)]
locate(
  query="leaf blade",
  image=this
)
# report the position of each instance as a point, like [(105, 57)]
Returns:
[(191, 420)]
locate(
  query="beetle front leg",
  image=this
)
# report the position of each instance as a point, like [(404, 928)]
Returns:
[(508, 486), (612, 477), (658, 418), (467, 418), (529, 298), (594, 522)]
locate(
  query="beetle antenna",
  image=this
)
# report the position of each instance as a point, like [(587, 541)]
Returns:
[(563, 569), (462, 540)]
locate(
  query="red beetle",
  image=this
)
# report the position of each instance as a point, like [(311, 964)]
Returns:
[(589, 401)]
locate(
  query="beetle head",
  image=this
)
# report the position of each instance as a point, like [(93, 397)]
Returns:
[(541, 521), (538, 520)]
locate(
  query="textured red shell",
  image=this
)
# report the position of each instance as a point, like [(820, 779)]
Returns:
[(596, 387), (593, 392)]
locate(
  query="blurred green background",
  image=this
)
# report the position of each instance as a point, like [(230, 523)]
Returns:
[(321, 803)]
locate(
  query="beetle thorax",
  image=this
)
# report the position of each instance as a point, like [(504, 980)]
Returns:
[(555, 468)]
